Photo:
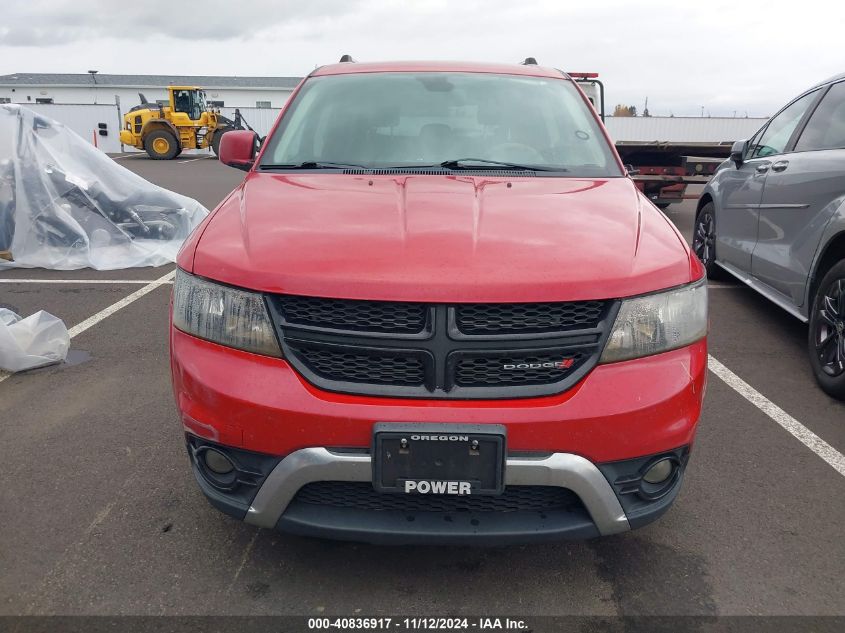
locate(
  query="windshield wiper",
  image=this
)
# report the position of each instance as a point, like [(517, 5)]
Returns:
[(312, 164), (480, 163)]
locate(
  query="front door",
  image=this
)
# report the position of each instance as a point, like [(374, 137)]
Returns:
[(737, 223), (741, 188), (803, 189)]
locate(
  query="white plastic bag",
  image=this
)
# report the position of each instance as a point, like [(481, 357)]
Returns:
[(37, 340)]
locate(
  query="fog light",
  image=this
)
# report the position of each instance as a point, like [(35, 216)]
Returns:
[(218, 463), (659, 471)]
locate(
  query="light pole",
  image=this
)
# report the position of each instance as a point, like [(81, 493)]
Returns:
[(93, 74)]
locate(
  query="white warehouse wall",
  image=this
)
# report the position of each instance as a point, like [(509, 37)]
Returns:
[(260, 119), (682, 129), (84, 120), (232, 97)]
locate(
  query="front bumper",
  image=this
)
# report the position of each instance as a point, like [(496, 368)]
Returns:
[(599, 507), (618, 411), (592, 440)]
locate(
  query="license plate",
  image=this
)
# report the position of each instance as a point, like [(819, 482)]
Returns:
[(439, 459)]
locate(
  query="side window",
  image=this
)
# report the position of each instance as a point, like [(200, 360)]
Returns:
[(753, 144), (780, 128), (182, 101), (826, 128)]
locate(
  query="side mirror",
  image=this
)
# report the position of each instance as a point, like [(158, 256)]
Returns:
[(738, 150), (237, 149)]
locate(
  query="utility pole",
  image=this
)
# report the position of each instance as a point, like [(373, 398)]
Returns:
[(93, 74)]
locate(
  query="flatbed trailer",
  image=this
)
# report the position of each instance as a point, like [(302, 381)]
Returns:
[(661, 169)]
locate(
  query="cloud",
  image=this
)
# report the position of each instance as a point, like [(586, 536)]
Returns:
[(724, 55), (59, 22)]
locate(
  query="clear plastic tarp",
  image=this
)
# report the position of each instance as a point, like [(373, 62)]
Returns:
[(66, 205)]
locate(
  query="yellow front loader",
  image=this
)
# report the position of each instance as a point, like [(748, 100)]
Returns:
[(183, 122)]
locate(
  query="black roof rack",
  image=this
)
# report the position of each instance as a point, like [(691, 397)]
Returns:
[(347, 59), (529, 61)]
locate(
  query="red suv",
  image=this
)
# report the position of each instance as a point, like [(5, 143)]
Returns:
[(437, 310)]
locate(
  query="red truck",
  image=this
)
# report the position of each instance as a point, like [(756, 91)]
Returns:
[(438, 310)]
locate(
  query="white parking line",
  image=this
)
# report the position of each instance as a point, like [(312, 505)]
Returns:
[(804, 435), (91, 321), (191, 160), (83, 281), (79, 328)]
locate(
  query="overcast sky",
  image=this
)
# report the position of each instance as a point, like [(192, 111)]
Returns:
[(725, 56)]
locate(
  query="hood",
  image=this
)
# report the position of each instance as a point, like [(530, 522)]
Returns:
[(441, 238)]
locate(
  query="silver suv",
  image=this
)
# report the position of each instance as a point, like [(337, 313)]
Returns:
[(774, 216)]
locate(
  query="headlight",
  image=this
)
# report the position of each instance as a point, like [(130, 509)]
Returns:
[(658, 323), (224, 315)]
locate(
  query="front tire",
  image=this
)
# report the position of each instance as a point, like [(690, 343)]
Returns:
[(704, 240), (161, 145), (826, 339)]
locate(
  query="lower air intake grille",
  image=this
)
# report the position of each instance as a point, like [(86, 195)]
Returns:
[(362, 496)]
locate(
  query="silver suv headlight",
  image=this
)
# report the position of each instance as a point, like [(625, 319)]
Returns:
[(658, 323), (222, 314)]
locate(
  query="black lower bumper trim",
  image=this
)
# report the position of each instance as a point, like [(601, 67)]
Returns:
[(626, 478), (644, 516), (230, 493), (390, 527), (226, 503)]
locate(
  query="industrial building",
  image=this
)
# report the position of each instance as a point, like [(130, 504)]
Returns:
[(95, 88), (92, 104)]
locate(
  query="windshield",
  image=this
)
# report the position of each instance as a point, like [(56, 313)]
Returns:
[(379, 120), (191, 102)]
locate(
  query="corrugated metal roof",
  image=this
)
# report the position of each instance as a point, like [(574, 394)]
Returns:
[(206, 81), (682, 129)]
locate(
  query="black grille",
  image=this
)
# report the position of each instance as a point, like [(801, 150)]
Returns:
[(361, 496), (515, 369), (379, 369), (372, 316), (421, 350), (509, 318)]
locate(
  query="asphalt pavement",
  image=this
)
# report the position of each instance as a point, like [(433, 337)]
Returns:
[(99, 512)]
